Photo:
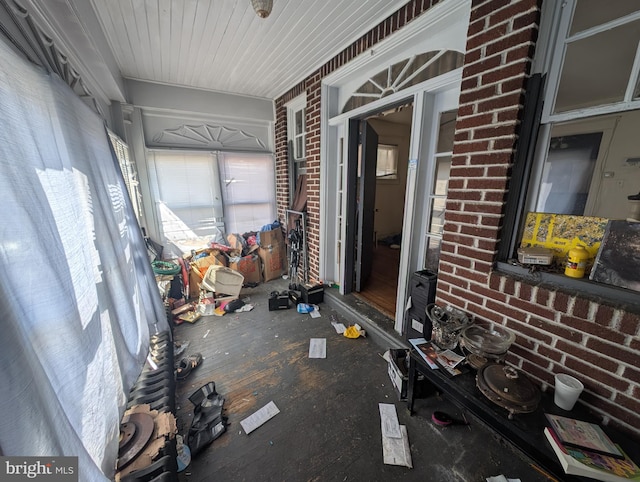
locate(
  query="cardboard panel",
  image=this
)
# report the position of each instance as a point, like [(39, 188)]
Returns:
[(272, 261), (249, 266), (271, 238)]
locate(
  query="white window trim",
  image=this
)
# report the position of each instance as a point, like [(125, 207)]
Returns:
[(553, 61), (294, 106)]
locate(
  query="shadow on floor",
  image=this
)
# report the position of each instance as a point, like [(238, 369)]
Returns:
[(328, 427)]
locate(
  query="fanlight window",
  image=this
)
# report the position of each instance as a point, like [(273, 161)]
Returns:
[(408, 72)]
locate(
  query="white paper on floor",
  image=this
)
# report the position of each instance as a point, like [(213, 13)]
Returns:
[(340, 328), (389, 420), (253, 421), (501, 478), (318, 348), (396, 451), (315, 313)]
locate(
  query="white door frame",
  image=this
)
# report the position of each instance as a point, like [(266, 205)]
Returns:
[(444, 26)]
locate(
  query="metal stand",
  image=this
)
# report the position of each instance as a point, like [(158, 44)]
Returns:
[(297, 253)]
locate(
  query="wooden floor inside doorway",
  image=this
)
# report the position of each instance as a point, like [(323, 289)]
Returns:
[(381, 288)]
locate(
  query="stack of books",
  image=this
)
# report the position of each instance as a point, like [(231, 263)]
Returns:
[(584, 449)]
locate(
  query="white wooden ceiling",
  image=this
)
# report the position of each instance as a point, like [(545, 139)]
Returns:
[(223, 45)]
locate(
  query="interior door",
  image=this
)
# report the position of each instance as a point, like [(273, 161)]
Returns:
[(366, 203)]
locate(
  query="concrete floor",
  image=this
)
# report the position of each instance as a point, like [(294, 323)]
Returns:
[(328, 427)]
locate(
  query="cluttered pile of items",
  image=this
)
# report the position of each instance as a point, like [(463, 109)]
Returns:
[(603, 250), (457, 345), (208, 280)]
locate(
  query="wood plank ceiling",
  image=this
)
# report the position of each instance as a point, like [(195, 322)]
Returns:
[(222, 45)]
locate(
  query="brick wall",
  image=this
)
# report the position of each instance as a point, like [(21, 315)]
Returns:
[(311, 85), (556, 332)]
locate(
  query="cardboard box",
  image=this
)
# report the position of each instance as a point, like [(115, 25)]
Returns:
[(249, 266), (195, 278), (215, 257), (273, 261), (271, 238), (398, 372)]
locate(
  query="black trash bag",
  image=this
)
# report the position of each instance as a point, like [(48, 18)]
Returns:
[(208, 422), (233, 306)]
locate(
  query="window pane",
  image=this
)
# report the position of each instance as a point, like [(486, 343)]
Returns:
[(590, 13), (596, 69), (189, 195), (248, 188), (299, 150), (437, 216), (441, 178), (446, 131), (387, 164), (433, 254), (567, 174), (299, 124)]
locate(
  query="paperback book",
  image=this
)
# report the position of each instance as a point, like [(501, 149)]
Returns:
[(583, 435), (596, 466)]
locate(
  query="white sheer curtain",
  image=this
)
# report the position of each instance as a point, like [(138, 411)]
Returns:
[(248, 190), (78, 298)]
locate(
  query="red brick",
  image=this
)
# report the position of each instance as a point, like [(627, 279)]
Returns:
[(629, 324), (561, 302), (500, 102), (481, 66), (503, 144), (474, 121), (465, 195), (478, 232), (581, 308), (615, 351), (592, 329), (511, 40), (487, 8), (531, 308), (558, 330), (475, 95), (461, 148), (484, 184), (476, 254), (508, 311)]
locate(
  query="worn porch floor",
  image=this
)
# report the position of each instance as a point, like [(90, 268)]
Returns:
[(328, 427)]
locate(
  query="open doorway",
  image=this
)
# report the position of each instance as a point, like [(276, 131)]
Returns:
[(378, 213)]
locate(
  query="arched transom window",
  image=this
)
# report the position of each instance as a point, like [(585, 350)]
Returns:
[(403, 74)]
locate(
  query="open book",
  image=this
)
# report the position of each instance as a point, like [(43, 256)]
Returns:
[(600, 467)]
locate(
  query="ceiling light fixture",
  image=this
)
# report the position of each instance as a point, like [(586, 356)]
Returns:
[(262, 7)]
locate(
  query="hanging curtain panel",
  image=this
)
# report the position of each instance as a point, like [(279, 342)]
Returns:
[(78, 299)]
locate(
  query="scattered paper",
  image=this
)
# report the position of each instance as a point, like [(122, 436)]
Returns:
[(318, 348), (206, 334), (396, 451), (315, 313), (244, 308), (255, 420), (339, 327), (501, 478), (389, 420)]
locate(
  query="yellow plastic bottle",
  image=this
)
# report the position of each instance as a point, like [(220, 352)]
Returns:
[(576, 262)]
